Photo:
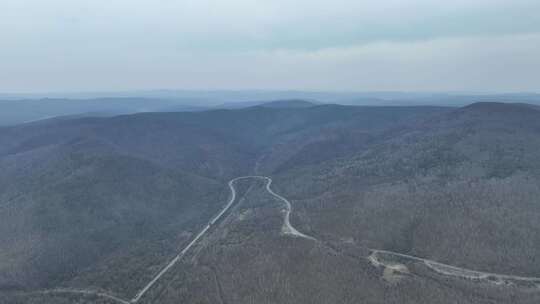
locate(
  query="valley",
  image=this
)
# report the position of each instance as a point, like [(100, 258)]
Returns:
[(347, 204)]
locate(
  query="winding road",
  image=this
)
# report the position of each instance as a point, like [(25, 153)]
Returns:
[(288, 229), (454, 271)]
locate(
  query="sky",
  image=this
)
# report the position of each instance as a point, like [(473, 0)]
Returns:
[(338, 45)]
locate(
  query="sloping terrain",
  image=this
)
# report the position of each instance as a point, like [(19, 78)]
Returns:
[(21, 110), (101, 205), (458, 188), (83, 210), (248, 260)]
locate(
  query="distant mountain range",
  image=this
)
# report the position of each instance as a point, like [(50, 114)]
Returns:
[(18, 109), (28, 111), (217, 97)]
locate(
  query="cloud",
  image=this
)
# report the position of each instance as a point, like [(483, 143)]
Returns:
[(218, 25), (340, 44), (507, 63)]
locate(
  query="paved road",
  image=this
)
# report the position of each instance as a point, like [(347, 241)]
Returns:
[(173, 262), (438, 267), (193, 242), (450, 270), (287, 228), (290, 230)]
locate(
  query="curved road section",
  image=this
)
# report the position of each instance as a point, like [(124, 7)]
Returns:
[(288, 229), (454, 271)]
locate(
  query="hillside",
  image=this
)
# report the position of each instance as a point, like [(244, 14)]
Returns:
[(105, 203), (457, 188), (289, 103)]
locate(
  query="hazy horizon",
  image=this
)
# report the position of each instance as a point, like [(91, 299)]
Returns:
[(359, 46), (279, 93), (269, 151)]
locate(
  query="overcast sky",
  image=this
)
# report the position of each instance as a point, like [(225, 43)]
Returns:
[(359, 45)]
